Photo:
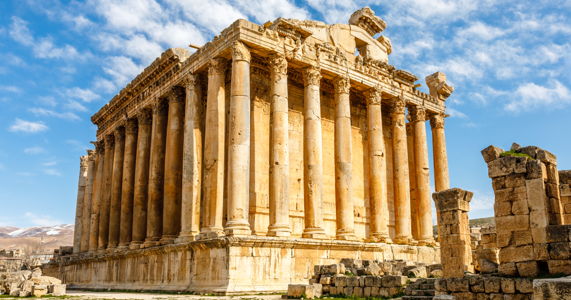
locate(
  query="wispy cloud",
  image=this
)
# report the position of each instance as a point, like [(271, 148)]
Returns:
[(529, 96), (34, 150), (38, 111), (20, 125), (52, 172), (10, 88), (41, 220)]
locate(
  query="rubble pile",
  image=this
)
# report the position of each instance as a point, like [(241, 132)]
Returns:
[(363, 278), (30, 283)]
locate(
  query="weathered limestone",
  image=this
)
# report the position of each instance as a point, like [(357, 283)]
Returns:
[(86, 214), (139, 233), (279, 154), (565, 193), (128, 184), (441, 179), (452, 208), (191, 161), (313, 155), (377, 168), (420, 149), (214, 144), (343, 165), (96, 197), (116, 188), (156, 174), (106, 181), (173, 167), (239, 143), (403, 229), (81, 187)]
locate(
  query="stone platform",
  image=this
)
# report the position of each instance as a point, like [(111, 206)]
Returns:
[(223, 266)]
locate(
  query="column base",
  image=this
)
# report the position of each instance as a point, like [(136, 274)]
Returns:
[(135, 245), (346, 236), (123, 247), (279, 230), (210, 233), (314, 233), (403, 240), (167, 239), (186, 237), (426, 242), (151, 242), (237, 228), (380, 238)]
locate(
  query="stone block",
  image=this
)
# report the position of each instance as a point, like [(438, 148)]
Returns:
[(326, 279), (492, 284), (559, 266), (440, 284), (57, 289), (332, 269), (507, 165), (502, 208), (307, 291), (458, 284), (559, 251), (512, 223), (417, 272), (535, 169), (508, 285), (491, 153), (536, 194), (558, 233), (528, 268), (487, 266), (340, 280), (444, 297), (504, 239), (452, 199), (357, 292), (522, 237), (348, 291), (516, 254), (508, 269), (39, 290), (520, 207), (373, 269), (394, 281), (555, 288), (477, 284), (352, 281), (375, 291), (37, 272), (524, 285)]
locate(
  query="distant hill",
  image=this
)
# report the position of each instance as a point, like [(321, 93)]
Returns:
[(483, 221), (41, 239)]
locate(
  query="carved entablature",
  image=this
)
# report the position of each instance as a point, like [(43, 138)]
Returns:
[(438, 87), (405, 77), (366, 19)]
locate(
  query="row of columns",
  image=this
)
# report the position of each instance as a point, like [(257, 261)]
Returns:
[(143, 184)]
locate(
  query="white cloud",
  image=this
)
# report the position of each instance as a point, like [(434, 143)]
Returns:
[(222, 13), (456, 113), (529, 96), (10, 88), (20, 125), (481, 31), (20, 33), (34, 150), (49, 163), (86, 95), (47, 100), (74, 105), (50, 113), (41, 220), (52, 172)]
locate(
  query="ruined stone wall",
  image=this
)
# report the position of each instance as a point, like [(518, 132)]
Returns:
[(565, 191), (486, 253)]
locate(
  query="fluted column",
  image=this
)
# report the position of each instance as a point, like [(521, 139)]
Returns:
[(239, 143), (86, 214), (424, 209), (96, 195), (441, 179), (214, 150), (156, 174), (379, 220), (117, 182), (403, 233), (173, 166), (140, 196), (279, 154), (345, 217), (82, 182), (414, 221), (106, 193), (191, 161), (128, 184), (312, 155)]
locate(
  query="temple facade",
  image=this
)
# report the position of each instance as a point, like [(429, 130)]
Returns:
[(268, 150)]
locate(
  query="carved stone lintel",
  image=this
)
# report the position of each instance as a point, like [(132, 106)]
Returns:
[(342, 85), (217, 66), (240, 52), (366, 19), (399, 106), (437, 121), (131, 126), (176, 94), (160, 106), (418, 113), (145, 117), (311, 76), (374, 95), (278, 64)]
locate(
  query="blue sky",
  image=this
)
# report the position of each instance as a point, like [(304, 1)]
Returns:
[(60, 61)]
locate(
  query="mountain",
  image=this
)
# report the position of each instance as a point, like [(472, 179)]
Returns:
[(40, 239)]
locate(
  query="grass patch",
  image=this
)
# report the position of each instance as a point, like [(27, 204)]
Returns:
[(514, 154)]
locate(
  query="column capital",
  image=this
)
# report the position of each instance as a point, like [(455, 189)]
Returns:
[(437, 120), (109, 141), (176, 94), (278, 63), (418, 113), (83, 161), (145, 117), (374, 95), (399, 106), (99, 146), (311, 76), (189, 81), (240, 52), (217, 66), (160, 106), (131, 126), (119, 134), (342, 85), (90, 154)]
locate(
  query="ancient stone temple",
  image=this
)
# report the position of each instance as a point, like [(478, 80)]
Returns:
[(269, 150)]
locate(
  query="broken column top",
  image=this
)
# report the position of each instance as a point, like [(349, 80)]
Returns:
[(366, 19), (438, 86), (492, 153), (453, 199)]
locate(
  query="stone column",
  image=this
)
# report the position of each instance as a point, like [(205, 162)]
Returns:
[(345, 217), (156, 174), (191, 161), (140, 196), (414, 220), (403, 232), (128, 185), (424, 209), (452, 208), (279, 153), (441, 180), (214, 139), (117, 181), (239, 143), (106, 193), (86, 214), (82, 182), (312, 155), (96, 195), (173, 166), (379, 220)]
